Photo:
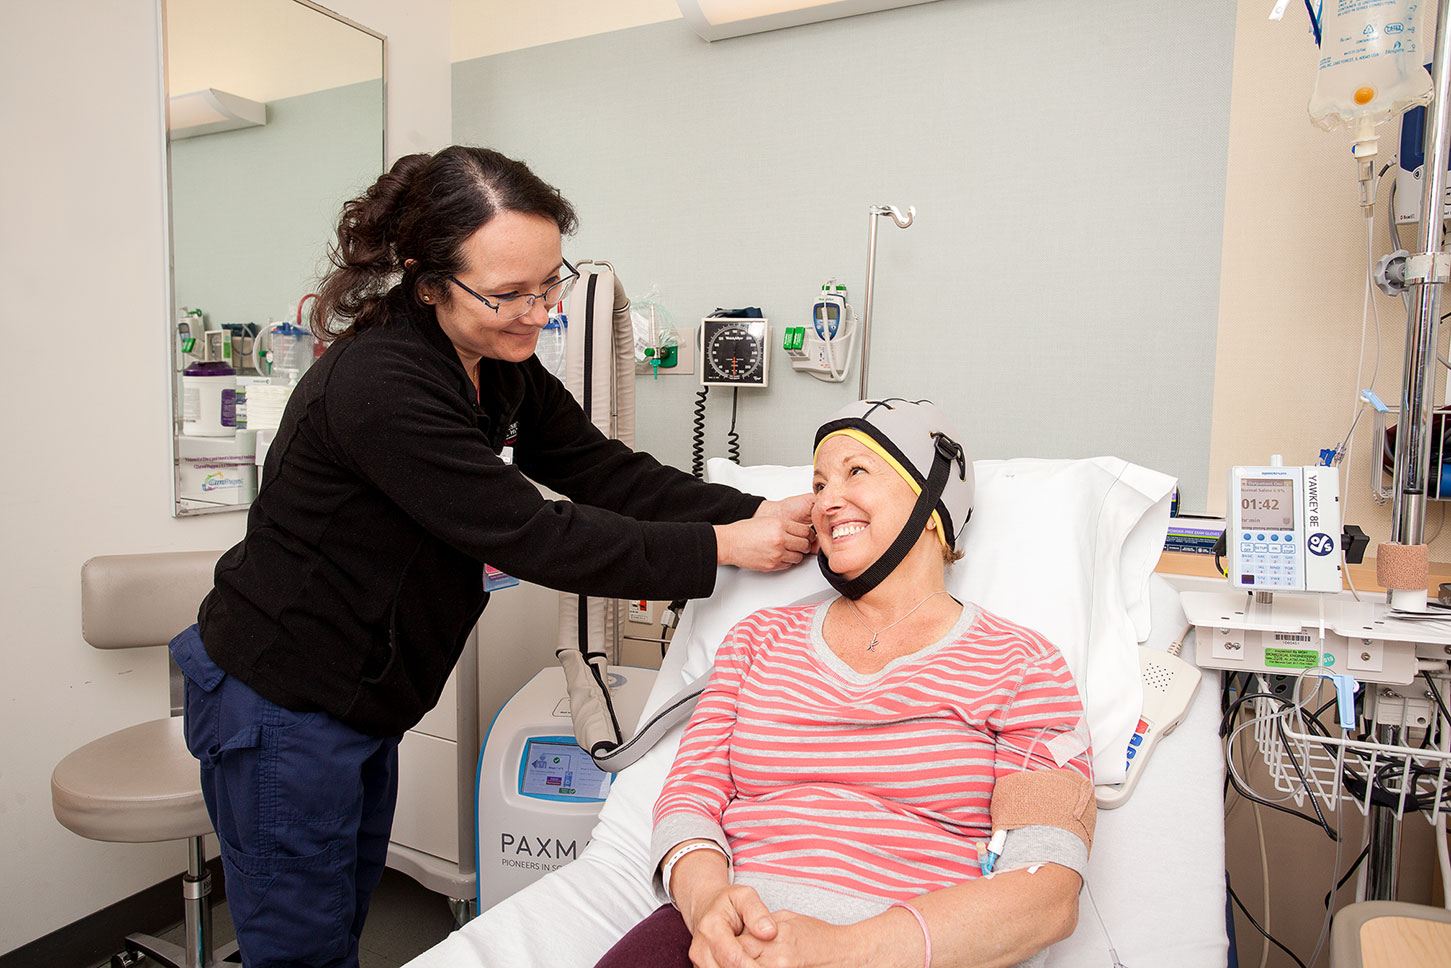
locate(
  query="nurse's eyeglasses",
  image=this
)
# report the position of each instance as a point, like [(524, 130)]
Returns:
[(512, 305)]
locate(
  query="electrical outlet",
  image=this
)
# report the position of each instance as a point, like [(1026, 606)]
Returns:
[(1281, 685)]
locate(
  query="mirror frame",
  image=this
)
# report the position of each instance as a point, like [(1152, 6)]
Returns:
[(169, 281)]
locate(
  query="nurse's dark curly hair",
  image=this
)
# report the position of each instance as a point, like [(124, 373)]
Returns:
[(410, 227)]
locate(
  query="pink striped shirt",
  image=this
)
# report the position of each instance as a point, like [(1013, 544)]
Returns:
[(874, 785)]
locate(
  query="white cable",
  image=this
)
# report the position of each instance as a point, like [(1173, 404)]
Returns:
[(1443, 856), (1374, 304), (1443, 850), (1367, 310), (1345, 566), (1112, 952), (1265, 877), (1334, 878), (822, 325), (1229, 760), (1339, 841), (1264, 865), (1363, 876), (849, 325), (846, 333)]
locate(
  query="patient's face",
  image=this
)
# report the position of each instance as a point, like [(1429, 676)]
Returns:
[(862, 505)]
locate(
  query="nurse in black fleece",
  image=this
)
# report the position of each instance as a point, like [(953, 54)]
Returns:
[(402, 465)]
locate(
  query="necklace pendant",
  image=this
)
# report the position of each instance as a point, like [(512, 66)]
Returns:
[(872, 646)]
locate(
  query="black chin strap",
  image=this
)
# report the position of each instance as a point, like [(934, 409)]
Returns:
[(948, 452)]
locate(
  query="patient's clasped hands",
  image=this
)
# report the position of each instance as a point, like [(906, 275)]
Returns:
[(719, 919), (730, 926), (733, 929)]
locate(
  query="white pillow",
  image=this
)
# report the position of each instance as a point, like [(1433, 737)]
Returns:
[(1065, 547)]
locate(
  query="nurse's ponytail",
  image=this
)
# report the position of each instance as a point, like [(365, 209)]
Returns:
[(410, 225)]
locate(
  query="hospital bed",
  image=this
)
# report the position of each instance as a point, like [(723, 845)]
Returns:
[(1074, 542)]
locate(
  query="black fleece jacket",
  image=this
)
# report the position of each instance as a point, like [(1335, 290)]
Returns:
[(385, 493)]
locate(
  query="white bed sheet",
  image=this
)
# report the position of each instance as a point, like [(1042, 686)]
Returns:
[(1157, 871)]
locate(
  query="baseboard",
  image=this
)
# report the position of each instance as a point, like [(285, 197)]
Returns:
[(96, 937)]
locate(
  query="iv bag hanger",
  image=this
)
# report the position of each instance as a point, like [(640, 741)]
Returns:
[(901, 221)]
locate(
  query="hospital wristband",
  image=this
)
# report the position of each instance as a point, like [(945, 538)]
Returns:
[(921, 923), (681, 852)]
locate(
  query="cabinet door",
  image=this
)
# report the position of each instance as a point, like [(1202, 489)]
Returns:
[(442, 719), (427, 796)]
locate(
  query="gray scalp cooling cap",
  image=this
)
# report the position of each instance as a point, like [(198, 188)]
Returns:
[(919, 437)]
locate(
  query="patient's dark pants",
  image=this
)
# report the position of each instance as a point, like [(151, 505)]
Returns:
[(660, 941), (302, 805)]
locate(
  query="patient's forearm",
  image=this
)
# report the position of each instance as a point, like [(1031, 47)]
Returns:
[(979, 924), (695, 879)]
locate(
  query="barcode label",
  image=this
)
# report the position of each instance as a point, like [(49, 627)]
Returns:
[(1291, 637)]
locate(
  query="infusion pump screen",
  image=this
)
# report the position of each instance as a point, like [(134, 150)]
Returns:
[(1267, 502), (561, 771)]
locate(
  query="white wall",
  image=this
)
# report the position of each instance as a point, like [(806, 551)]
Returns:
[(764, 219), (482, 27), (264, 49), (84, 393)]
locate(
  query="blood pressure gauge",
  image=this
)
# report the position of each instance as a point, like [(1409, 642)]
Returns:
[(734, 352)]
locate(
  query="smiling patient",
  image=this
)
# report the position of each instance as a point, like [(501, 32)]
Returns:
[(838, 785)]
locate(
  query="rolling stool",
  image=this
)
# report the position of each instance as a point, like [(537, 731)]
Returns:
[(1390, 934), (140, 785)]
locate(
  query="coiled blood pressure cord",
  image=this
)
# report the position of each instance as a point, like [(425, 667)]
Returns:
[(733, 439), (697, 435)]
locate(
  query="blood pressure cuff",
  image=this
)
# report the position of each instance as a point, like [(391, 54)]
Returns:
[(1060, 799)]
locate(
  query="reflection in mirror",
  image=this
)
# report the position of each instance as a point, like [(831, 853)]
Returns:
[(275, 118)]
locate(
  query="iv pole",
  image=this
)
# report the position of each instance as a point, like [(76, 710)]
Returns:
[(902, 222), (1427, 272)]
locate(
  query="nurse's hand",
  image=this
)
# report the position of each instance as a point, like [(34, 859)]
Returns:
[(765, 543), (796, 508)]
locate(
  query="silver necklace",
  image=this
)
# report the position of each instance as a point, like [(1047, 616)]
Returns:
[(877, 633)]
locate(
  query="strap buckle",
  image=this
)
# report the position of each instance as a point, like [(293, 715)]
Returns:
[(951, 451)]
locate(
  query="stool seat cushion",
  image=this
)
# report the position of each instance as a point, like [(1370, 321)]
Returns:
[(137, 785), (1390, 934)]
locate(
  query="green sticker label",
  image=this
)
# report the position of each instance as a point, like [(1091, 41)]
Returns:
[(1292, 658)]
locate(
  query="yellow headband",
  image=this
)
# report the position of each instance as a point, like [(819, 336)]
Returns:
[(866, 440)]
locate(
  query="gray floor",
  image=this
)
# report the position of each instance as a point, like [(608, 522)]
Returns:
[(404, 920)]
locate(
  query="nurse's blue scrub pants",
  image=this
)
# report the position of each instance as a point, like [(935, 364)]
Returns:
[(302, 806)]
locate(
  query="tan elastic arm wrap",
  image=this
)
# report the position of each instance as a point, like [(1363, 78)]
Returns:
[(1403, 566), (1049, 798)]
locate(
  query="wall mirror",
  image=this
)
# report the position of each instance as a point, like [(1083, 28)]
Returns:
[(274, 117)]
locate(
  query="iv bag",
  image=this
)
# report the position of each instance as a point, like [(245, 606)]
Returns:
[(1371, 68), (551, 349)]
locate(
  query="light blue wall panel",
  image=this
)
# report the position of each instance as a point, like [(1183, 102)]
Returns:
[(253, 210), (1059, 291)]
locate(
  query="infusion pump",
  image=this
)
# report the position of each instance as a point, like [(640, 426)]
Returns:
[(1284, 529)]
